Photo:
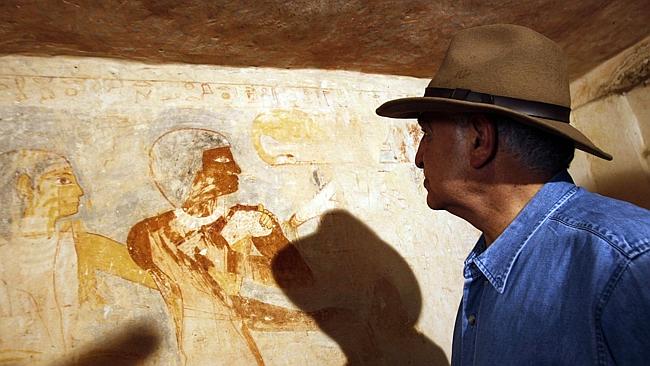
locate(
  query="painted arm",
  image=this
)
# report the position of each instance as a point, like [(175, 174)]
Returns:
[(289, 267), (97, 252), (263, 230)]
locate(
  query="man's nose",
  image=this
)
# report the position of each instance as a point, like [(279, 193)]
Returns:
[(237, 169), (79, 190), (418, 157)]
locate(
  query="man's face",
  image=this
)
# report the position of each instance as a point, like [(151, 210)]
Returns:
[(440, 156), (217, 177), (57, 193)]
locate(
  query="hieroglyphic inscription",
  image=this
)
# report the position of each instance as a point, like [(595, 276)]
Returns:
[(50, 90)]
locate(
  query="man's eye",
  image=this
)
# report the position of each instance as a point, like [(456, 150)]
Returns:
[(222, 159), (64, 180)]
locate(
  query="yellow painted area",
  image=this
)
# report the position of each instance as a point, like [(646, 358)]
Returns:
[(291, 132), (229, 282), (99, 253)]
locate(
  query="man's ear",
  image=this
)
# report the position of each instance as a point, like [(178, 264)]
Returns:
[(483, 134), (24, 187)]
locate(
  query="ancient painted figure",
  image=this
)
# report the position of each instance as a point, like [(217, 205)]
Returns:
[(48, 266), (200, 256), (38, 270)]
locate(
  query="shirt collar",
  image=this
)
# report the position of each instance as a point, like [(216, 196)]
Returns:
[(497, 261)]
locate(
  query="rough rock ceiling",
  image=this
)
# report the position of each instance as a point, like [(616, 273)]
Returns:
[(402, 37)]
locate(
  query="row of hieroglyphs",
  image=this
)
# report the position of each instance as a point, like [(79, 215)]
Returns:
[(51, 91), (48, 89)]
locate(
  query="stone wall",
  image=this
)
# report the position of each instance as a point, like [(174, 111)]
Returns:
[(97, 155), (611, 105)]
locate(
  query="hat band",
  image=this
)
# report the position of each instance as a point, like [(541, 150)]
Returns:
[(529, 107)]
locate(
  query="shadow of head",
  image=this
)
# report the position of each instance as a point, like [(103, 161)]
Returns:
[(364, 294), (127, 347)]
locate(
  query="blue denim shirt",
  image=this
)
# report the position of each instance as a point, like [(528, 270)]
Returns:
[(567, 283)]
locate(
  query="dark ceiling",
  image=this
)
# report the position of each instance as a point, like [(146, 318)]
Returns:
[(402, 37)]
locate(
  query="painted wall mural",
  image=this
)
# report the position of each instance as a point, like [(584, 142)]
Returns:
[(199, 257), (48, 270), (188, 215)]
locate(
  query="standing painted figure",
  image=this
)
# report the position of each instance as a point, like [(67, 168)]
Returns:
[(199, 256), (50, 265)]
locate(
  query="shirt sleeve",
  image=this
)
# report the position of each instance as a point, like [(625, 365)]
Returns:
[(626, 315)]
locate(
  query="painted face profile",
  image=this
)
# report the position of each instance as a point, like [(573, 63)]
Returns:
[(218, 176), (56, 193), (38, 188), (193, 166)]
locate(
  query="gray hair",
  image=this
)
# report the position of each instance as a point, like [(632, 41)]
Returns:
[(177, 156), (538, 150)]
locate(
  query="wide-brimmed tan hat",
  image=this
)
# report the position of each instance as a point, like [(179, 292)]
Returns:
[(505, 69)]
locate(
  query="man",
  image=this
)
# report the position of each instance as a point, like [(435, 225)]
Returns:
[(560, 274), (199, 256)]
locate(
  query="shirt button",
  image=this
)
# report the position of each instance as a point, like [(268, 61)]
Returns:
[(471, 319)]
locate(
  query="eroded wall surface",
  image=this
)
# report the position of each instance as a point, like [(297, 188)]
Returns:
[(611, 105), (315, 244), (621, 122)]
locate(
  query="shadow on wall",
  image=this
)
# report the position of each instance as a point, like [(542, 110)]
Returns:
[(631, 186), (370, 298), (128, 347)]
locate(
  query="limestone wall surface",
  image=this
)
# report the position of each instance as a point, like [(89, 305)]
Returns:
[(611, 105), (99, 159)]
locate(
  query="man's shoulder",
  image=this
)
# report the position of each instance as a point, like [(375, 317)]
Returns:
[(621, 224), (154, 222), (148, 225)]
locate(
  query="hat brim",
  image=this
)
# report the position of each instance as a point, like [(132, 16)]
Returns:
[(414, 106)]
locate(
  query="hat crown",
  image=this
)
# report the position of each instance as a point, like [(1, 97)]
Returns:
[(506, 60)]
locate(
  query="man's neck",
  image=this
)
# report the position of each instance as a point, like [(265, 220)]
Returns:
[(493, 206), (36, 226), (191, 222), (200, 209)]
